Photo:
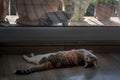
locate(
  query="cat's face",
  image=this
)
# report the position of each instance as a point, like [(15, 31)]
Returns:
[(90, 60)]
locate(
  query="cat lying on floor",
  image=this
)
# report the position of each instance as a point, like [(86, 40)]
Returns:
[(61, 59)]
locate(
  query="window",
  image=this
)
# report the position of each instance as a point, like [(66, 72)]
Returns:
[(60, 12)]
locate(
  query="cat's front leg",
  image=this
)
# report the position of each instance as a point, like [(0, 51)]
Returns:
[(26, 58)]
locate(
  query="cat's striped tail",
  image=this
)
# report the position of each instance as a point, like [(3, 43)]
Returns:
[(28, 71), (41, 67)]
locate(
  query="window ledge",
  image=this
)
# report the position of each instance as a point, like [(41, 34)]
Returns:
[(59, 35)]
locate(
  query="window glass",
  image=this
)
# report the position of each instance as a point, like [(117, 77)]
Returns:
[(60, 12)]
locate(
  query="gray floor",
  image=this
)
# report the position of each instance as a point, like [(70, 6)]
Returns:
[(108, 69)]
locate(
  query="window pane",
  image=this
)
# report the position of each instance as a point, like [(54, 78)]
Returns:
[(60, 12)]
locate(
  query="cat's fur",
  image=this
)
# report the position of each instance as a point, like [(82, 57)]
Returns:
[(59, 59)]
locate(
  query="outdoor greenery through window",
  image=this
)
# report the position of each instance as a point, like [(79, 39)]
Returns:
[(60, 12)]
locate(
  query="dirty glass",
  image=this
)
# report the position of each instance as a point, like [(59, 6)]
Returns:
[(60, 12)]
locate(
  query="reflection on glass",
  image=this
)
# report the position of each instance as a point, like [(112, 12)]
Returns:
[(60, 12)]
